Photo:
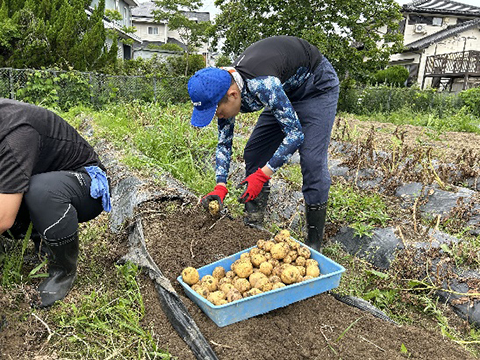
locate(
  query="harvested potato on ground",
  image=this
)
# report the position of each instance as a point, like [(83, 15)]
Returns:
[(255, 277), (290, 274), (280, 250), (268, 245), (209, 282), (214, 207), (300, 261), (257, 259), (305, 252), (283, 235), (252, 292), (266, 268), (312, 270), (278, 285), (216, 297), (243, 268), (218, 272), (234, 295), (190, 275), (242, 285)]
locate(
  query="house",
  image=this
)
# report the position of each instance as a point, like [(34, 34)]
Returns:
[(441, 44), (154, 34), (124, 7)]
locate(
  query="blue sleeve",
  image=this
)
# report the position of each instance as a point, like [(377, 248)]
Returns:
[(224, 148), (270, 93)]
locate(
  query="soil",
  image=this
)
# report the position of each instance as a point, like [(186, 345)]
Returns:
[(316, 328)]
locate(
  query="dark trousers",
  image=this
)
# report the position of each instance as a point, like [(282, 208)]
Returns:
[(56, 202), (315, 103)]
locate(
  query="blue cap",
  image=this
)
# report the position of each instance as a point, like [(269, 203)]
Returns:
[(206, 88)]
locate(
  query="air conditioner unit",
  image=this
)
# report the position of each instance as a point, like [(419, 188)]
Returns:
[(420, 29)]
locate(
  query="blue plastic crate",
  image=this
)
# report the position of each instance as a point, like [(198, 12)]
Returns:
[(239, 310)]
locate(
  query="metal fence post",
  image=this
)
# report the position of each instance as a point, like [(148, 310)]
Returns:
[(10, 81)]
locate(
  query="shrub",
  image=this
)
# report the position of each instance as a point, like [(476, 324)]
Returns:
[(395, 75), (471, 98)]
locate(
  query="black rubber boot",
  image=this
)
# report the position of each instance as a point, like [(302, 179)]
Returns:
[(316, 215), (62, 271), (255, 209)]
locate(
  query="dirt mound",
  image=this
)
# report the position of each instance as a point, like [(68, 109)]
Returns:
[(316, 328)]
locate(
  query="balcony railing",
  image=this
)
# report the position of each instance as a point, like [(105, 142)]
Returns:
[(454, 64)]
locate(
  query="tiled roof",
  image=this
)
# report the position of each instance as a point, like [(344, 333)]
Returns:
[(441, 7), (144, 10), (443, 34)]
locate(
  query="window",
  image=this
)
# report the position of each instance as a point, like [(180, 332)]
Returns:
[(152, 30), (437, 21)]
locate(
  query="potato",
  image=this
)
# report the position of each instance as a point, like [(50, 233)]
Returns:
[(283, 235), (312, 270), (218, 272), (266, 268), (305, 252), (253, 279), (293, 254), (216, 296), (278, 285), (261, 244), (230, 274), (242, 285), (196, 286), (268, 245), (261, 282), (274, 279), (234, 295), (257, 259), (268, 255), (252, 292), (280, 250), (245, 255), (290, 274), (203, 291), (307, 277), (309, 262), (301, 270), (287, 259), (190, 275), (243, 268), (274, 262), (209, 282), (224, 280), (300, 261), (254, 251), (226, 287), (266, 287), (214, 207)]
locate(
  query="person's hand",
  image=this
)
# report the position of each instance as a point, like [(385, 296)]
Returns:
[(219, 192), (254, 183)]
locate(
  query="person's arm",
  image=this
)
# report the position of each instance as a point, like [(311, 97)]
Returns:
[(269, 91), (9, 205), (224, 149)]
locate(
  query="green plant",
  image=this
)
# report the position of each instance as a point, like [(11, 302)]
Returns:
[(395, 75)]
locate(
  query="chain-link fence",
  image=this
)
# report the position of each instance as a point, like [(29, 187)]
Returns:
[(70, 88)]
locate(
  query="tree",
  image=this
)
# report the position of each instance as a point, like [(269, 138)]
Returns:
[(192, 33), (351, 33), (48, 33)]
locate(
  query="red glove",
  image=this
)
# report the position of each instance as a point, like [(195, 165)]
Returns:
[(254, 184), (219, 192)]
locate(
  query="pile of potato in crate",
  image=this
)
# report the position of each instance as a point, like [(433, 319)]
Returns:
[(271, 265)]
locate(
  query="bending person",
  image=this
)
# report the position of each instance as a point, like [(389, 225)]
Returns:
[(298, 89), (52, 177)]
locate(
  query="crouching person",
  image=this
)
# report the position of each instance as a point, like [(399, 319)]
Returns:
[(52, 177)]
